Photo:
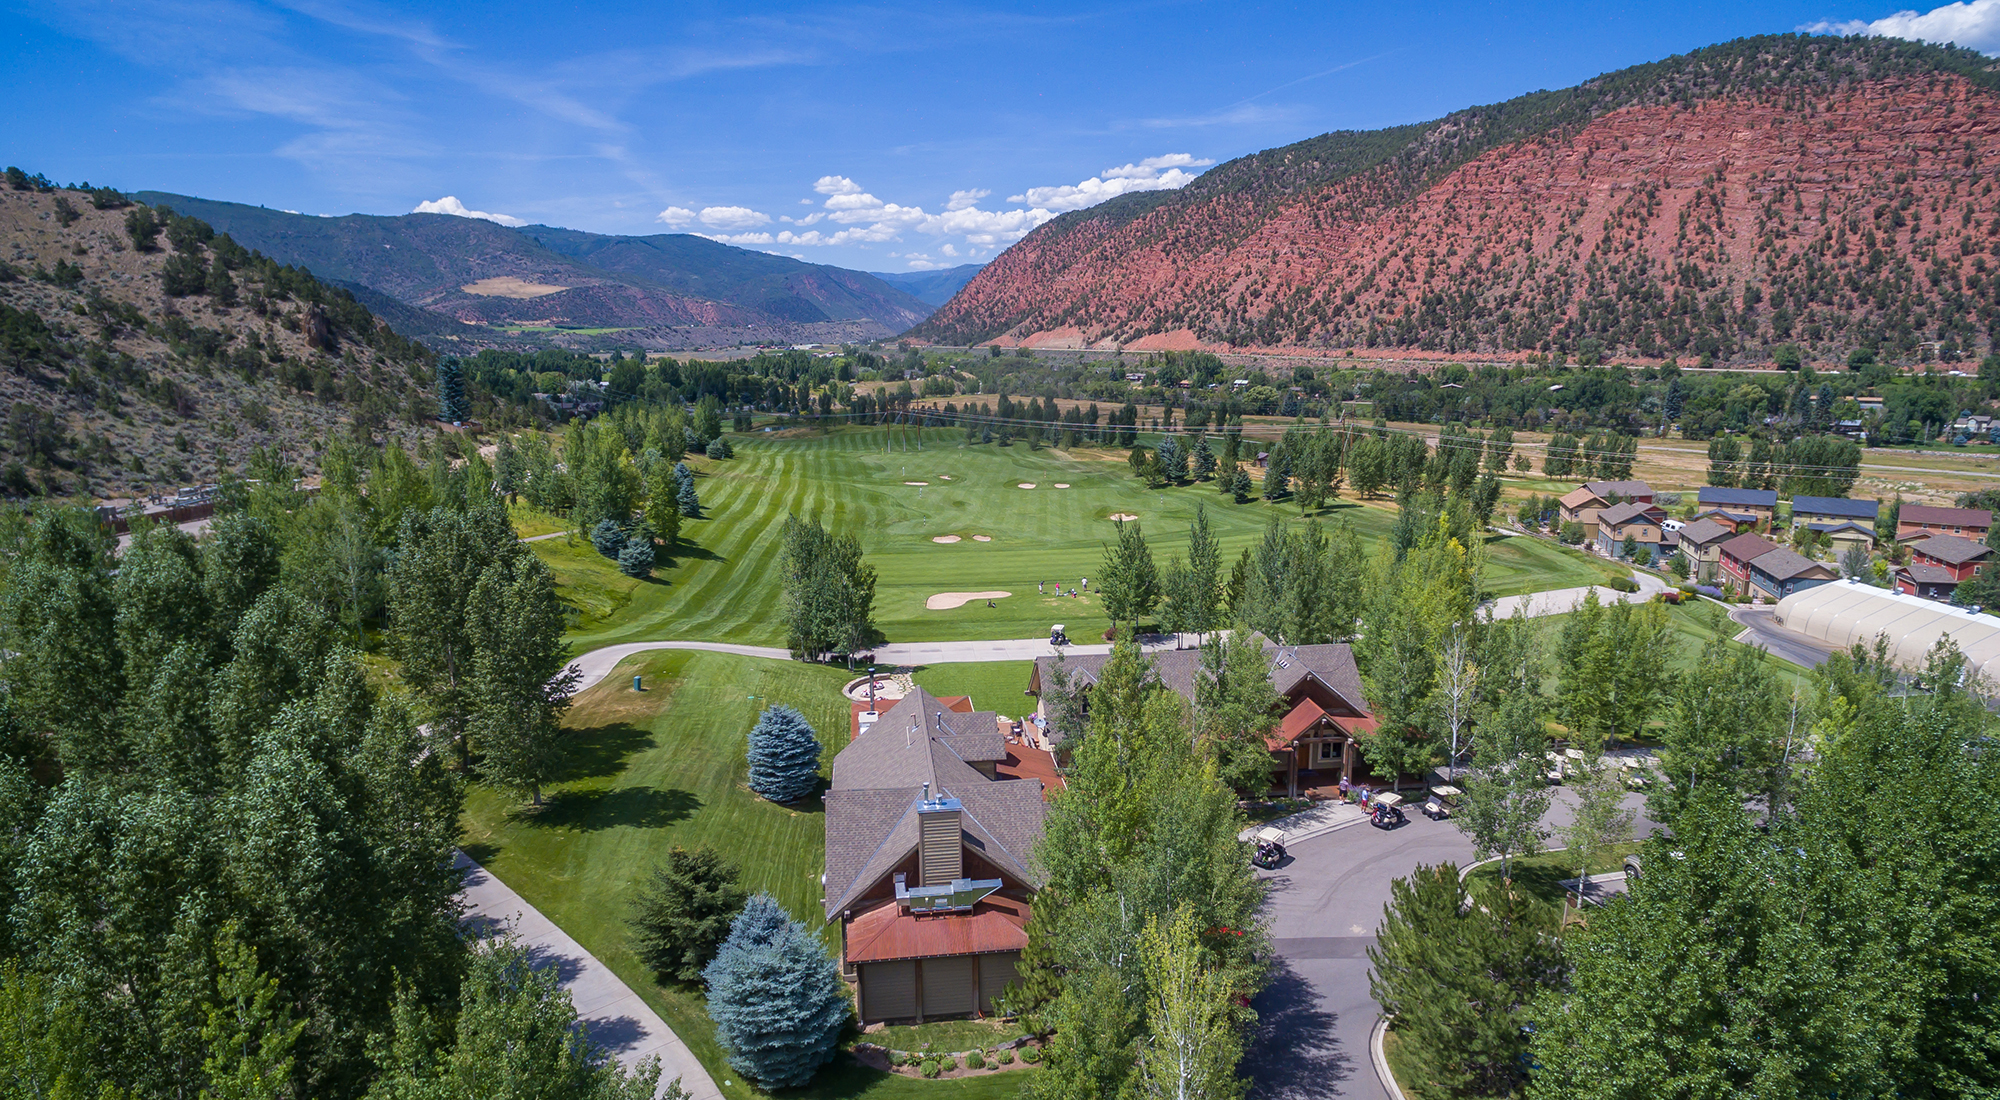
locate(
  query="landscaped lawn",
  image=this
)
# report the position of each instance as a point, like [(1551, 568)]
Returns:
[(994, 685), (1523, 563), (720, 582), (1540, 876)]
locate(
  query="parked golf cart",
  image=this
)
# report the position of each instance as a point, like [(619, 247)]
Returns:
[(1056, 635), (1442, 802), (1387, 812), (1270, 848)]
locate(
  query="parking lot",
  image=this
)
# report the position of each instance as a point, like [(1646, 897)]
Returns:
[(1325, 903)]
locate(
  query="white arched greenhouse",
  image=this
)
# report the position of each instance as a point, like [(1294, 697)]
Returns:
[(1846, 612)]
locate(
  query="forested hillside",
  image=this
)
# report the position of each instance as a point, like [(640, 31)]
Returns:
[(1820, 193), (476, 282), (144, 351)]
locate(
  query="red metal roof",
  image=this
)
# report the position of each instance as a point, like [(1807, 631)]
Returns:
[(885, 932), (1302, 718), (958, 704)]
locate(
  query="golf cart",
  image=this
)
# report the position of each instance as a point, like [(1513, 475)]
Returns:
[(1554, 774), (1388, 810), (1441, 803), (1270, 848), (1056, 635)]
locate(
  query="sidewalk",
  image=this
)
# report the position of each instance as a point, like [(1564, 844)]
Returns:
[(611, 1014), (1320, 819), (1564, 600)]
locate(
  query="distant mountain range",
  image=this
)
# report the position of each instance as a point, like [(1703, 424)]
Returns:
[(933, 287), (1827, 195), (451, 280)]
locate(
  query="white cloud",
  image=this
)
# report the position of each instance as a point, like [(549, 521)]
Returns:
[(732, 217), (836, 185), (813, 218), (1146, 175), (963, 199), (676, 216), (1974, 24), (450, 205), (948, 249)]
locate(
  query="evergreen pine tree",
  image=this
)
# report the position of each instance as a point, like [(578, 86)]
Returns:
[(608, 537), (776, 998), (784, 755), (1239, 489), (1172, 460), (1204, 459), (637, 557), (452, 406), (685, 497), (683, 912)]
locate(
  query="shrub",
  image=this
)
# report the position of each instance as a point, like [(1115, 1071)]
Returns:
[(718, 449), (930, 1068), (776, 998), (784, 755), (682, 914), (1031, 1055), (975, 1060), (1622, 584), (1005, 1058)]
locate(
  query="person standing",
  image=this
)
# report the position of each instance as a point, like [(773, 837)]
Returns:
[(1042, 587)]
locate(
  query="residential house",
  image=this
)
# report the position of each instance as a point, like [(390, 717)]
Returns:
[(1759, 503), (1622, 490), (1581, 505), (1322, 708), (927, 841), (1916, 522), (1782, 572), (1812, 510), (1846, 536), (1856, 430), (1639, 522), (1701, 545), (1939, 564), (1736, 554)]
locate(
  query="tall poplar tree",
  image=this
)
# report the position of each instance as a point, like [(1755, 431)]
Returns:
[(520, 685)]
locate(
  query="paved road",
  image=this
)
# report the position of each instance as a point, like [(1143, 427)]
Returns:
[(612, 1015), (1561, 600), (1325, 903), (1759, 629)]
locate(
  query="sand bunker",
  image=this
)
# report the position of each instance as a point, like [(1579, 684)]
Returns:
[(1121, 517), (916, 483), (982, 538), (1059, 484), (945, 601), (941, 477), (945, 538), (1025, 485)]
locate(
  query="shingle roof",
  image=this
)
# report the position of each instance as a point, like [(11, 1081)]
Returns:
[(878, 779), (1577, 498), (1704, 531), (1622, 488), (1957, 517), (1782, 564), (1711, 494), (1620, 514), (1742, 548), (1836, 506), (1951, 549), (1929, 574), (1843, 525), (1331, 664)]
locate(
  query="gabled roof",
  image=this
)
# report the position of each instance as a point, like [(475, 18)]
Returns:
[(1619, 515), (1951, 549), (1929, 574), (1622, 488), (1956, 517), (1746, 498), (921, 745), (1836, 506), (1579, 498), (1782, 564), (1704, 531), (1843, 525), (1747, 548), (1302, 718)]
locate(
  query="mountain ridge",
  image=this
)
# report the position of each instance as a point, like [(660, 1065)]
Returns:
[(1367, 239), (664, 291)]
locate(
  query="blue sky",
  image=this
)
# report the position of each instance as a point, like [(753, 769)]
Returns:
[(878, 137)]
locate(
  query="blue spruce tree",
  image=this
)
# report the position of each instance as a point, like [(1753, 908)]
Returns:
[(608, 537), (776, 998), (636, 559), (684, 494), (784, 755)]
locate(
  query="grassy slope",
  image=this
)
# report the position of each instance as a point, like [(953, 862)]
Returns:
[(719, 586), (666, 768)]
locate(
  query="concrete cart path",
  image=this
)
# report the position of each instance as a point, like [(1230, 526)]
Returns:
[(611, 1014), (1563, 600)]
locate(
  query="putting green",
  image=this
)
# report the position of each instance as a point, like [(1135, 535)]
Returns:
[(722, 583)]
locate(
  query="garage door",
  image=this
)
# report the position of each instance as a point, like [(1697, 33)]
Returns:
[(948, 986), (888, 991), (995, 972)]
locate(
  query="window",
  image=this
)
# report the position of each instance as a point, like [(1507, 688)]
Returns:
[(1329, 751)]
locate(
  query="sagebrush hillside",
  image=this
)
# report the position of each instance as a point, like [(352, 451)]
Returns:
[(141, 351), (1832, 194)]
